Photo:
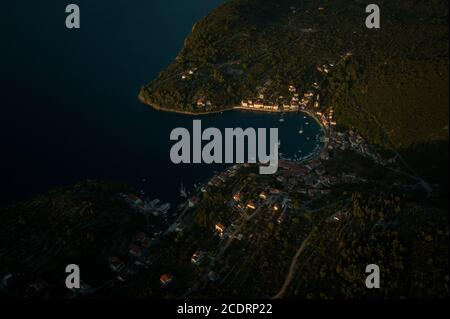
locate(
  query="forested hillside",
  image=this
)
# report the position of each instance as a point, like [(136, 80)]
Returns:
[(392, 87)]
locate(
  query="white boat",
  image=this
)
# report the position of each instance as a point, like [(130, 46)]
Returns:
[(163, 208), (154, 202)]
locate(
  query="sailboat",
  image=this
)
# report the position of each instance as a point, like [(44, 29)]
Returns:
[(163, 209), (301, 130)]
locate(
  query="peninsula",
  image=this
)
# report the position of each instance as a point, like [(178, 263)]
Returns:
[(290, 55)]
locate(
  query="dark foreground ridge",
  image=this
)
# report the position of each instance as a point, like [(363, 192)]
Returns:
[(242, 235)]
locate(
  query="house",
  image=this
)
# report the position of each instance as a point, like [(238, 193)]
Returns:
[(194, 200), (124, 275), (338, 217), (201, 103), (7, 280), (274, 191), (179, 229), (141, 237), (142, 207), (244, 104), (116, 264), (166, 279), (143, 262), (219, 229), (212, 276), (313, 192), (251, 206), (237, 197), (197, 257), (320, 171), (135, 250), (281, 219), (215, 181), (134, 199), (325, 155), (263, 195)]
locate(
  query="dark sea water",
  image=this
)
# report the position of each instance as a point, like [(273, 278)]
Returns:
[(68, 98)]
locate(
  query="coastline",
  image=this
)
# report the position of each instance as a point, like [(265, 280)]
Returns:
[(227, 109)]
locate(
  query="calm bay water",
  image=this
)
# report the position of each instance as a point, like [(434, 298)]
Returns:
[(69, 108)]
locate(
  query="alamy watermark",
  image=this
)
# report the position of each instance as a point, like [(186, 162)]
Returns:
[(373, 19), (190, 149), (73, 18), (373, 279), (73, 279)]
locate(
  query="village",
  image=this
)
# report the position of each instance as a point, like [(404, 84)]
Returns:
[(307, 179)]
